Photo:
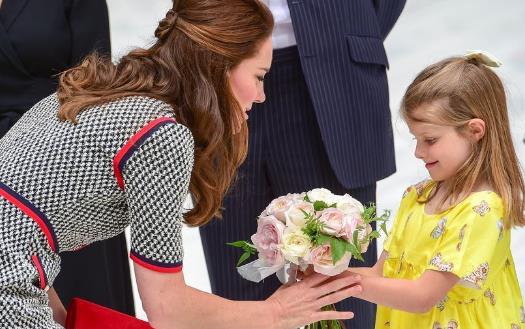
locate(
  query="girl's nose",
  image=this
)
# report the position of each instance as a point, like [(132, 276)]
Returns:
[(419, 152)]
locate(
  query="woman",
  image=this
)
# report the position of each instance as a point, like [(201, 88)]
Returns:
[(121, 145), (38, 40)]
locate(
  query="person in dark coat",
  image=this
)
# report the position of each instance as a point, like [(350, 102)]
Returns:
[(326, 123), (38, 40)]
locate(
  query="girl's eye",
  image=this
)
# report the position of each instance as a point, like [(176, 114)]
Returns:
[(430, 141), (260, 78)]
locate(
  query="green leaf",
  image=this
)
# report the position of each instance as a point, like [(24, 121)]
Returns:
[(338, 247), (320, 205), (356, 253), (374, 235), (383, 228), (306, 198), (355, 238), (245, 245), (323, 238), (238, 244), (243, 258)]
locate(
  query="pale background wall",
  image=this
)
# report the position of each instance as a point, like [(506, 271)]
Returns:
[(428, 30)]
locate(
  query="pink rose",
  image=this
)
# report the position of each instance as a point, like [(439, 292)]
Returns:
[(279, 206), (351, 223), (268, 238), (321, 258), (334, 221)]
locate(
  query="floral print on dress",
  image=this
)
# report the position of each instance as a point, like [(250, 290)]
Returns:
[(437, 261), (490, 295), (452, 324), (482, 208), (478, 276), (461, 236), (439, 229), (420, 187), (499, 225)]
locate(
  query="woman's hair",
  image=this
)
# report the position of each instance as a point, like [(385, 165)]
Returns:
[(463, 89), (198, 43)]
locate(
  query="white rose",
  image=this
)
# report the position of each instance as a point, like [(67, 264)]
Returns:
[(295, 218), (295, 246), (349, 205), (320, 194)]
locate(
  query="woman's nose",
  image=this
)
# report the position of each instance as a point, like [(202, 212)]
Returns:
[(261, 96)]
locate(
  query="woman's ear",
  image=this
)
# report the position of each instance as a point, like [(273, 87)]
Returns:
[(476, 129)]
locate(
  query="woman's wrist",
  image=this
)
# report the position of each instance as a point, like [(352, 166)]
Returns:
[(274, 308)]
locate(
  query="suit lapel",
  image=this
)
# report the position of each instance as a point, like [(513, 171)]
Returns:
[(10, 10)]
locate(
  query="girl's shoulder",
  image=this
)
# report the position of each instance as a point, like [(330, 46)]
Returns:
[(483, 203), (420, 189)]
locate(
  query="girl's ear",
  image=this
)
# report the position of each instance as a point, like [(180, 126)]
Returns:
[(476, 129)]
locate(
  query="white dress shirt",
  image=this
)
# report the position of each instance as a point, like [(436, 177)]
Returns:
[(283, 35)]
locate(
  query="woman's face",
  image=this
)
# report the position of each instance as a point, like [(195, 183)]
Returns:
[(246, 78)]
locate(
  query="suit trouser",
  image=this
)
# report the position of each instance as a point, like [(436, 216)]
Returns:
[(286, 155)]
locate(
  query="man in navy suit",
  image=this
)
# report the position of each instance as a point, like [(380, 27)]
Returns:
[(326, 123)]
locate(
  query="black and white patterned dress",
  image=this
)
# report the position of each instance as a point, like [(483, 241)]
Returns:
[(64, 186)]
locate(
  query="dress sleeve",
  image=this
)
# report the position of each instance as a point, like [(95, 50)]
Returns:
[(470, 240), (395, 232), (155, 178)]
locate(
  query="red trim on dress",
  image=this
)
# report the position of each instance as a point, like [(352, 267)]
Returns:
[(26, 210), (154, 267), (40, 269), (130, 143)]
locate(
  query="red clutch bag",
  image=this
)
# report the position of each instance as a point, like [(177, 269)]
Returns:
[(82, 314)]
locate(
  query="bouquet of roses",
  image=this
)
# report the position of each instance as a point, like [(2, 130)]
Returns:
[(316, 228)]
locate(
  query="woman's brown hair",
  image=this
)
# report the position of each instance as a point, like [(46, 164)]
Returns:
[(198, 43), (463, 89)]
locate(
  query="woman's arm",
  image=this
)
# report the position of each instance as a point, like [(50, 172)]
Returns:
[(59, 312), (169, 303)]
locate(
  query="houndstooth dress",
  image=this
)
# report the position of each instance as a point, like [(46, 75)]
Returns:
[(64, 186)]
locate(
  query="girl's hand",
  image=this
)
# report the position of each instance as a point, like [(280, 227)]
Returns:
[(298, 304)]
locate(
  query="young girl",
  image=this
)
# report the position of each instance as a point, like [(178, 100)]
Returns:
[(447, 262)]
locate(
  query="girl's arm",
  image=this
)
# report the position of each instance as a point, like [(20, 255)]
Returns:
[(376, 270), (169, 303), (59, 312), (415, 296)]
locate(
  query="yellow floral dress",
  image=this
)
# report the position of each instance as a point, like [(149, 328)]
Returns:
[(468, 240)]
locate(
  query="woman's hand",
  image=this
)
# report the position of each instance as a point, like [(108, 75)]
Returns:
[(299, 304), (59, 312)]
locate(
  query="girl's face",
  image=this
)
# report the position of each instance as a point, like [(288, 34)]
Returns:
[(246, 78), (442, 148)]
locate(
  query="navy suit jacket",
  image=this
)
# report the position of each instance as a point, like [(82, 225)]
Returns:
[(340, 44), (41, 38)]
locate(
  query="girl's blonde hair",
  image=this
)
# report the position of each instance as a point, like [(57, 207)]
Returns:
[(463, 89)]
